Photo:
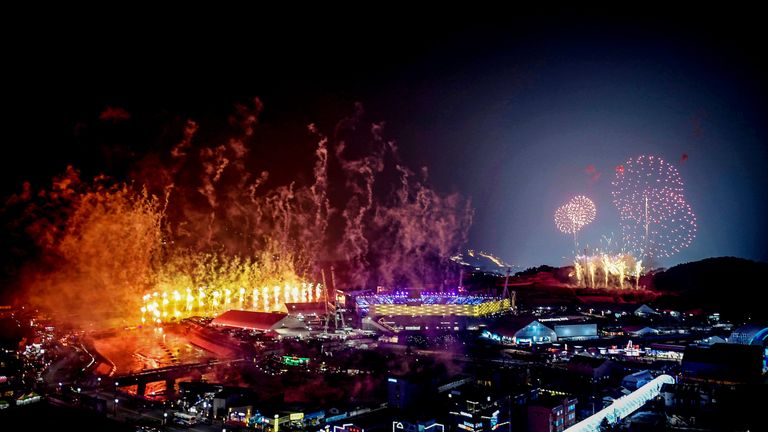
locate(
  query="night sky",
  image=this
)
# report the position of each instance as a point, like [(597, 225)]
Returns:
[(518, 112)]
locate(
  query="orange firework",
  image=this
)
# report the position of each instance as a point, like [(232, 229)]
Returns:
[(571, 217)]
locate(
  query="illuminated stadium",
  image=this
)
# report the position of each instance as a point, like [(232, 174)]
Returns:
[(417, 303)]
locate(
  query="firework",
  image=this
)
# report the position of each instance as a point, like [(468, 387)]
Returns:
[(211, 229), (574, 215), (656, 220), (604, 270), (159, 307)]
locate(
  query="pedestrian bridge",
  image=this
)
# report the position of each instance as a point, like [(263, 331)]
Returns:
[(623, 406)]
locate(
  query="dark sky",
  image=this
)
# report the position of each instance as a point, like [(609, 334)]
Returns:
[(510, 108)]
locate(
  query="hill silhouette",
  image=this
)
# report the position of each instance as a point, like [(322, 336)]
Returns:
[(729, 285)]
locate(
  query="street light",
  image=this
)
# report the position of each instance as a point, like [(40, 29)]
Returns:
[(115, 406), (165, 417)]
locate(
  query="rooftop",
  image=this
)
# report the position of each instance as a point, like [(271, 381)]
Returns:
[(582, 360), (249, 319)]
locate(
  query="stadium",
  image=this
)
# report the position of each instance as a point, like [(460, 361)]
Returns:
[(415, 303)]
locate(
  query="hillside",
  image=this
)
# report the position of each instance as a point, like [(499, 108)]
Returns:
[(715, 284), (713, 274)]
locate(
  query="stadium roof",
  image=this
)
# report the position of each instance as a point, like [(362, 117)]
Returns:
[(250, 320), (306, 308)]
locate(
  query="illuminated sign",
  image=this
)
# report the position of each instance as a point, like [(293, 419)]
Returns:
[(296, 416), (295, 361), (392, 380)]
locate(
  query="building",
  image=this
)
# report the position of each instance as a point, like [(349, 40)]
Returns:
[(228, 398), (409, 392), (419, 303), (305, 310), (645, 311), (396, 324), (279, 322), (551, 414), (639, 331), (417, 426), (535, 333), (575, 332), (711, 340), (479, 408), (594, 368), (750, 334), (348, 427), (531, 331), (687, 396), (525, 331), (636, 380), (723, 363)]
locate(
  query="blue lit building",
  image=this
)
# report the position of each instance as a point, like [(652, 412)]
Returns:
[(576, 332), (535, 333), (636, 380), (530, 331), (525, 331), (750, 334)]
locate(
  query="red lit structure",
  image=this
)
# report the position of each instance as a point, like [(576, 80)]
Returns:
[(278, 322)]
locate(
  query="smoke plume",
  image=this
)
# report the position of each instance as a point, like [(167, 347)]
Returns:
[(219, 214)]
